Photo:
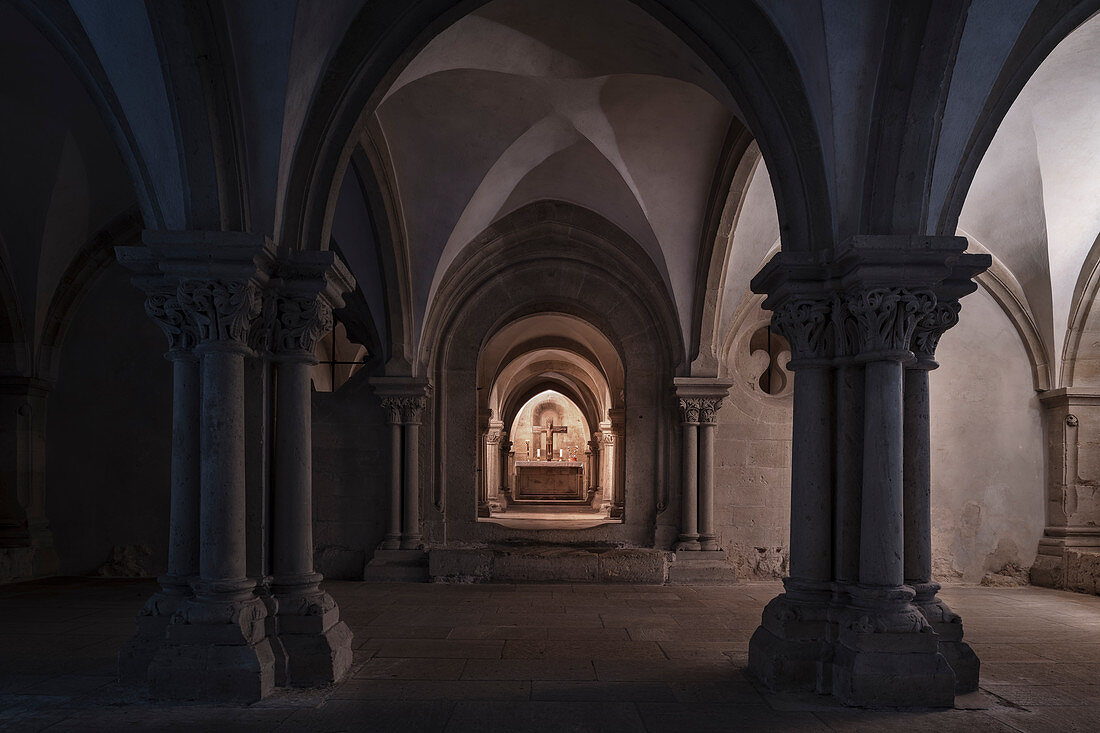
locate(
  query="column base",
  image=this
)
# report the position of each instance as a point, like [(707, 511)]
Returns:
[(688, 542), (949, 628), (215, 651), (787, 650), (708, 543), (392, 542), (138, 652), (412, 542), (317, 642), (887, 654)]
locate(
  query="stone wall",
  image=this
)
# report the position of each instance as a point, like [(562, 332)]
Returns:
[(108, 435), (987, 456), (351, 454), (988, 487)]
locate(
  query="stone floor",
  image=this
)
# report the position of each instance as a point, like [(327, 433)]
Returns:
[(548, 658)]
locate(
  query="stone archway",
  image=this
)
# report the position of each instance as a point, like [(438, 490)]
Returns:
[(508, 276)]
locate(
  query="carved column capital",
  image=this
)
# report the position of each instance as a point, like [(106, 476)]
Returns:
[(929, 329), (221, 310), (806, 322), (882, 320), (412, 408), (493, 436), (301, 321), (392, 406), (163, 306), (690, 408), (708, 409)]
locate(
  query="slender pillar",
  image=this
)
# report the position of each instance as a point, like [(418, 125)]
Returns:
[(392, 405), (787, 649), (886, 654), (317, 642), (618, 462), (217, 646), (689, 476), (412, 410), (708, 540), (183, 541), (607, 468), (918, 499)]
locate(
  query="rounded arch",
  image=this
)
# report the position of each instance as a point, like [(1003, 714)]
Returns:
[(591, 274), (736, 39), (606, 256)]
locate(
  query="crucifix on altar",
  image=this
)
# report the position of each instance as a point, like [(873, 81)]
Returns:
[(544, 437)]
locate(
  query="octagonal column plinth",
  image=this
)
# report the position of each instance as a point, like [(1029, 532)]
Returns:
[(787, 650), (918, 505)]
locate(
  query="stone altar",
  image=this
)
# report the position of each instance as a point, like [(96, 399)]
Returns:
[(549, 480)]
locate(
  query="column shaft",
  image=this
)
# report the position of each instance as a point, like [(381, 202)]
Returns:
[(917, 479), (183, 540), (411, 537), (293, 504), (881, 535), (811, 476), (689, 483), (222, 532), (849, 471), (707, 539), (393, 535)]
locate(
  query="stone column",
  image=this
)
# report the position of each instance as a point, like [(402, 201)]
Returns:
[(492, 466), (786, 650), (886, 654), (618, 461), (317, 642), (689, 476), (607, 468), (918, 499), (412, 409), (216, 642), (708, 539), (162, 305), (392, 406), (503, 483)]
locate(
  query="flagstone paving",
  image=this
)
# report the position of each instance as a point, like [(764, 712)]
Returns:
[(509, 658)]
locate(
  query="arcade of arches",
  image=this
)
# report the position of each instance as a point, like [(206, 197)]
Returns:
[(591, 291)]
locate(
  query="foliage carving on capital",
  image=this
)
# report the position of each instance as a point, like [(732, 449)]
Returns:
[(608, 438), (493, 436), (689, 410), (222, 311), (392, 406), (301, 323), (163, 306), (806, 324), (708, 409), (412, 408), (929, 328), (883, 319), (263, 325)]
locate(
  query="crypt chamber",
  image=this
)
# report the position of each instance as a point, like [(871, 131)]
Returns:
[(582, 292)]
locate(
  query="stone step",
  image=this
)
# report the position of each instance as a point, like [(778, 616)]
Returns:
[(397, 566), (701, 568), (550, 564)]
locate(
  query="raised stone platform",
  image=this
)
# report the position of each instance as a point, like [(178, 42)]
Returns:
[(701, 568), (397, 566), (549, 564)]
